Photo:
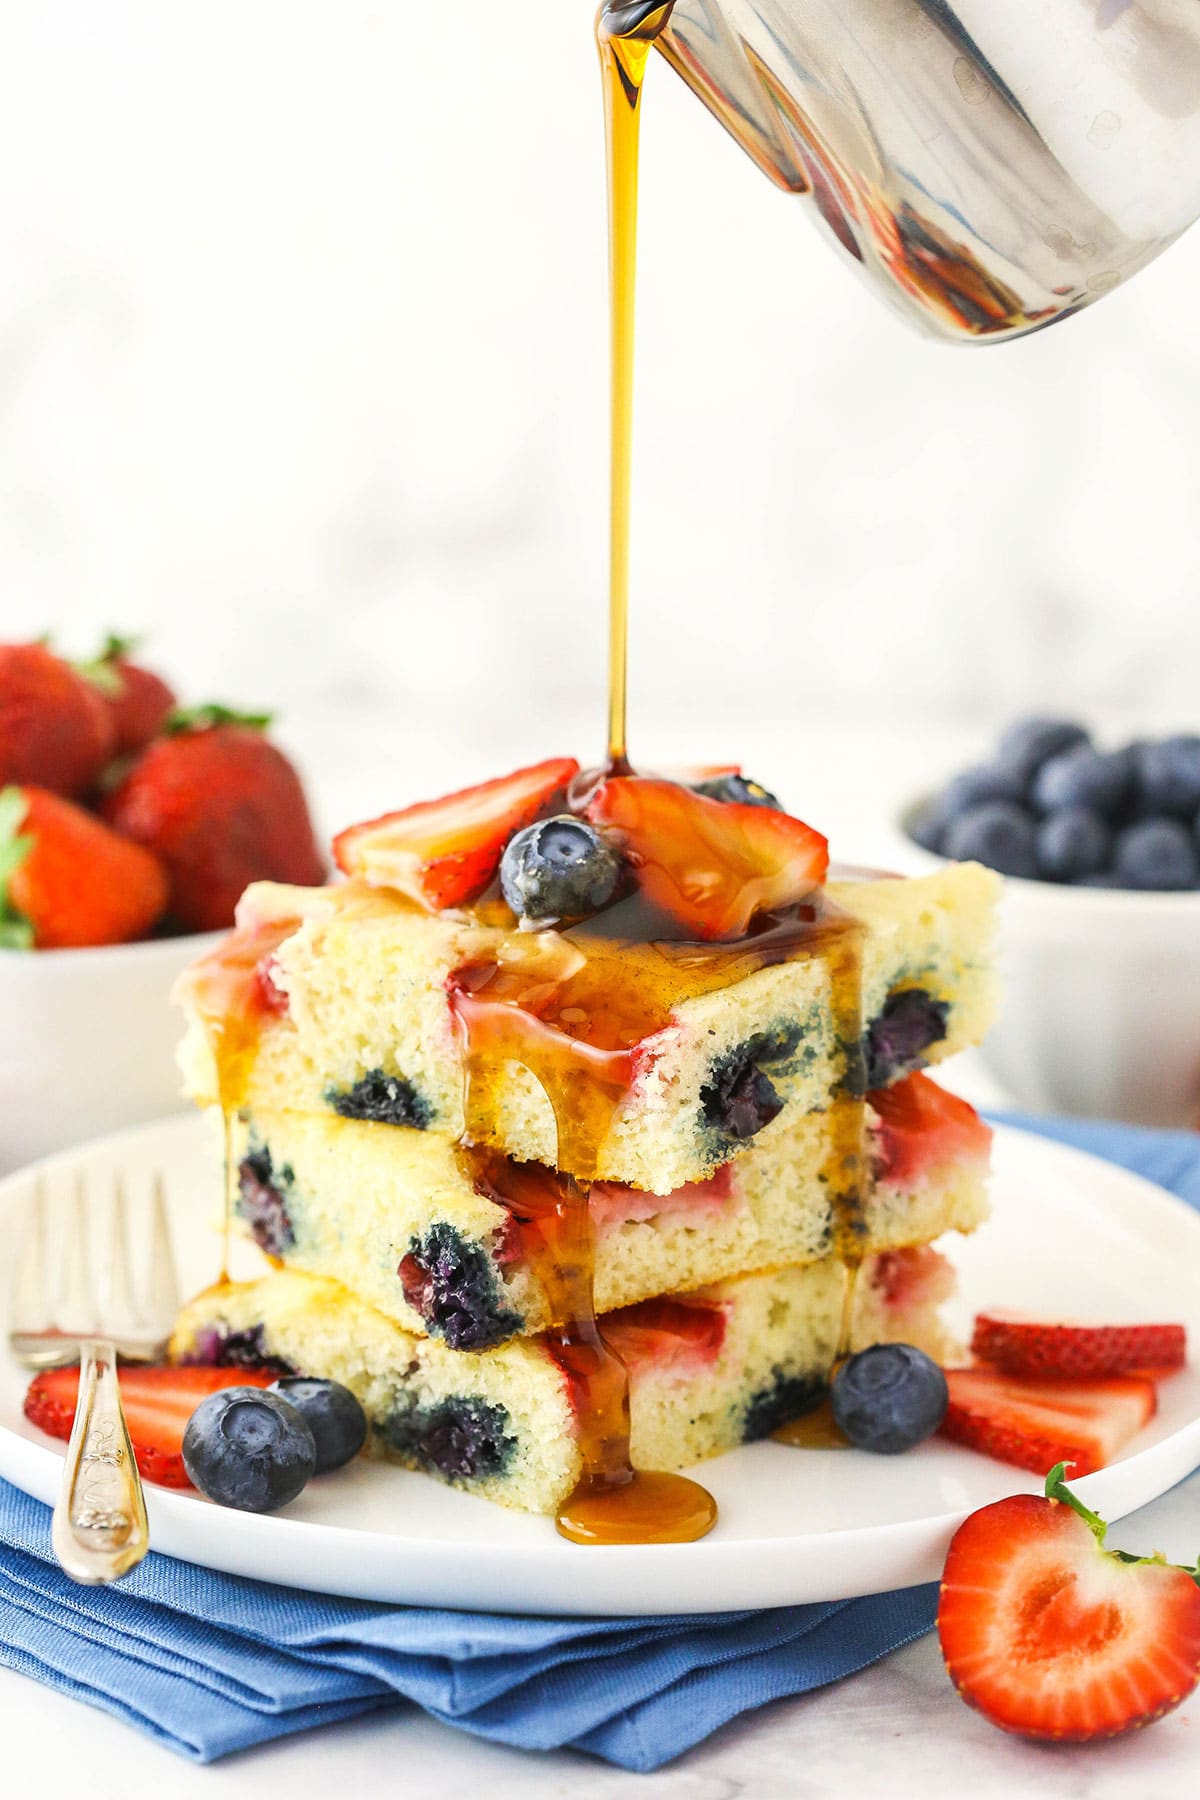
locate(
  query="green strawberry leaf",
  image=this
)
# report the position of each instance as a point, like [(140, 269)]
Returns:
[(1057, 1489), (16, 933), (115, 646), (100, 670), (203, 718)]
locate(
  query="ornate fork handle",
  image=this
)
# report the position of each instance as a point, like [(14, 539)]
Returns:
[(99, 1530)]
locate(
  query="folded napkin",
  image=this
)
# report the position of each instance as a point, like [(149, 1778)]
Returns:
[(210, 1663)]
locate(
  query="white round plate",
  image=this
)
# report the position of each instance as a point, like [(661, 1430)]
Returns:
[(1069, 1235)]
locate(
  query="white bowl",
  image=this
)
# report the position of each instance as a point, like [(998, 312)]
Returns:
[(1101, 1011), (87, 1041)]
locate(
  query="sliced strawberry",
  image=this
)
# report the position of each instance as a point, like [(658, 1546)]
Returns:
[(1034, 1422), (158, 1403), (445, 852), (711, 864), (1054, 1638), (1022, 1346), (920, 1126), (679, 1335)]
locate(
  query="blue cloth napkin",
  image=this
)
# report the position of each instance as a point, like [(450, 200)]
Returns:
[(210, 1663)]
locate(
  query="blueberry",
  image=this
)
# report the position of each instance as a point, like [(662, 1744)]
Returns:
[(1103, 878), (464, 1439), (785, 1397), (1168, 776), (1029, 743), (248, 1448), (451, 1281), (1100, 780), (889, 1398), (333, 1415), (988, 781), (997, 833), (911, 1022), (1072, 844), (739, 1098), (738, 788), (263, 1201), (1157, 853), (559, 869), (928, 827), (216, 1347), (381, 1099)]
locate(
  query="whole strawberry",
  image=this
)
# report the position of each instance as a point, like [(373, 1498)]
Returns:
[(221, 807), (55, 728), (67, 881), (139, 701)]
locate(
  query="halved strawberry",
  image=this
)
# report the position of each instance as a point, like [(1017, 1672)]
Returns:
[(711, 864), (445, 852), (158, 1403), (1054, 1638), (1032, 1422), (920, 1125), (1023, 1346)]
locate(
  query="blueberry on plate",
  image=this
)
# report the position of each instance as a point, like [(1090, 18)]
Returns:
[(560, 868), (333, 1415), (1029, 743), (1100, 780), (1072, 844), (1168, 776), (1157, 854), (741, 789), (248, 1448), (998, 833), (888, 1398)]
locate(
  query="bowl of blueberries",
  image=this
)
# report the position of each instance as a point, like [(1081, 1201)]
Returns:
[(1100, 850)]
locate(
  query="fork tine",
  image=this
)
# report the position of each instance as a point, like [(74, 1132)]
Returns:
[(161, 1302), (30, 1302), (117, 1312), (77, 1299)]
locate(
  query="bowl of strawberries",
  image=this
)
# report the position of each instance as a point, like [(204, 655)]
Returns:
[(129, 826)]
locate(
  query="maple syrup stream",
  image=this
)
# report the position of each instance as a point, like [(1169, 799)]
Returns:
[(507, 1014)]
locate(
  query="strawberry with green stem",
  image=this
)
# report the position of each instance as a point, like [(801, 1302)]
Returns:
[(139, 701), (67, 881), (220, 806), (1054, 1637)]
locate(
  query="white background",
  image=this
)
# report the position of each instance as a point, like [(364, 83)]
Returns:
[(303, 365)]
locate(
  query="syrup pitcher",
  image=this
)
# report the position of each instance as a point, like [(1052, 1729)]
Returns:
[(992, 165)]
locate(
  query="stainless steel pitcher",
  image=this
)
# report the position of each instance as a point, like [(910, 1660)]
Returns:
[(992, 165)]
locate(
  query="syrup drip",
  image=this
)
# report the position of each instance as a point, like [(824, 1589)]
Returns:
[(575, 1007), (815, 1430), (576, 1010), (624, 34), (613, 1503)]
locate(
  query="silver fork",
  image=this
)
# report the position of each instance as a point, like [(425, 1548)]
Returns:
[(99, 1530)]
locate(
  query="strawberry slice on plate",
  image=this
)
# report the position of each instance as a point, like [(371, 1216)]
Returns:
[(1055, 1638), (158, 1403), (1031, 1421), (445, 852), (711, 864), (1024, 1346)]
